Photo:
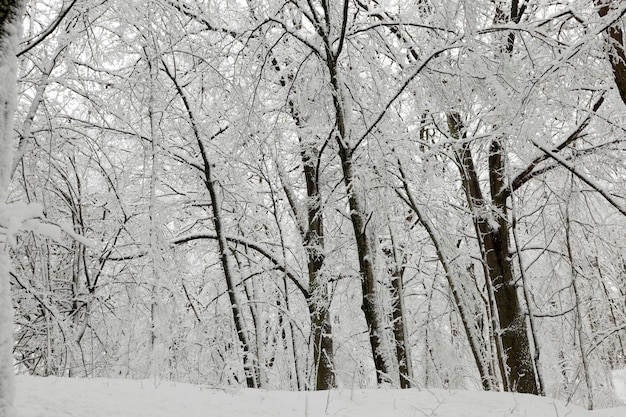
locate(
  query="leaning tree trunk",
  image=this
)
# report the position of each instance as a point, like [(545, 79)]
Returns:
[(10, 27), (250, 361), (363, 236), (479, 348)]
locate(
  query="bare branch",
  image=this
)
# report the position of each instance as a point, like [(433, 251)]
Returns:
[(453, 45), (48, 31), (281, 265), (531, 172), (344, 25)]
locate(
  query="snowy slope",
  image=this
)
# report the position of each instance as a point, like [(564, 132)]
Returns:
[(56, 397)]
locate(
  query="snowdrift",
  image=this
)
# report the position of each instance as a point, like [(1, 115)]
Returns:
[(56, 397)]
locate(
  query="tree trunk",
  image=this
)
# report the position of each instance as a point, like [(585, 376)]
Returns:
[(330, 51), (478, 346), (313, 241), (492, 231), (10, 27), (396, 271), (617, 52), (252, 379), (249, 360), (580, 331), (319, 303), (152, 160), (364, 239), (366, 254)]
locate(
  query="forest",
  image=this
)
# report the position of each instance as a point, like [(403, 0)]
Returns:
[(309, 194)]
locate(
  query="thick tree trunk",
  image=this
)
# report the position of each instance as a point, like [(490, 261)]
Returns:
[(515, 340), (364, 240), (313, 240), (321, 331), (366, 255), (319, 302), (617, 51), (492, 231), (10, 27)]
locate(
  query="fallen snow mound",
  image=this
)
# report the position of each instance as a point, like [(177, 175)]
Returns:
[(619, 383), (56, 397)]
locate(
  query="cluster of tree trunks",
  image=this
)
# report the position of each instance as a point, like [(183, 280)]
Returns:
[(495, 319)]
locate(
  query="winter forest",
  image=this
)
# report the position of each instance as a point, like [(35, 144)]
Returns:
[(308, 194)]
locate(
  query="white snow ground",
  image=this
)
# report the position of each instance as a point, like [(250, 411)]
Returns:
[(619, 383), (65, 397)]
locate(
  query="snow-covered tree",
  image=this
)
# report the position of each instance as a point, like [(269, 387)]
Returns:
[(10, 30)]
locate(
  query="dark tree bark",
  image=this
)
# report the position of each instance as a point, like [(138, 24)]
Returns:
[(396, 272), (312, 233), (318, 302), (617, 51), (366, 255), (330, 52), (250, 362), (492, 226), (478, 346)]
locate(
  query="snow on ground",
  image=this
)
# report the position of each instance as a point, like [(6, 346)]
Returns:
[(619, 383), (65, 397)]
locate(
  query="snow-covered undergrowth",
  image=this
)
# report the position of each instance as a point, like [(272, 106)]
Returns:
[(619, 383), (56, 397)]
